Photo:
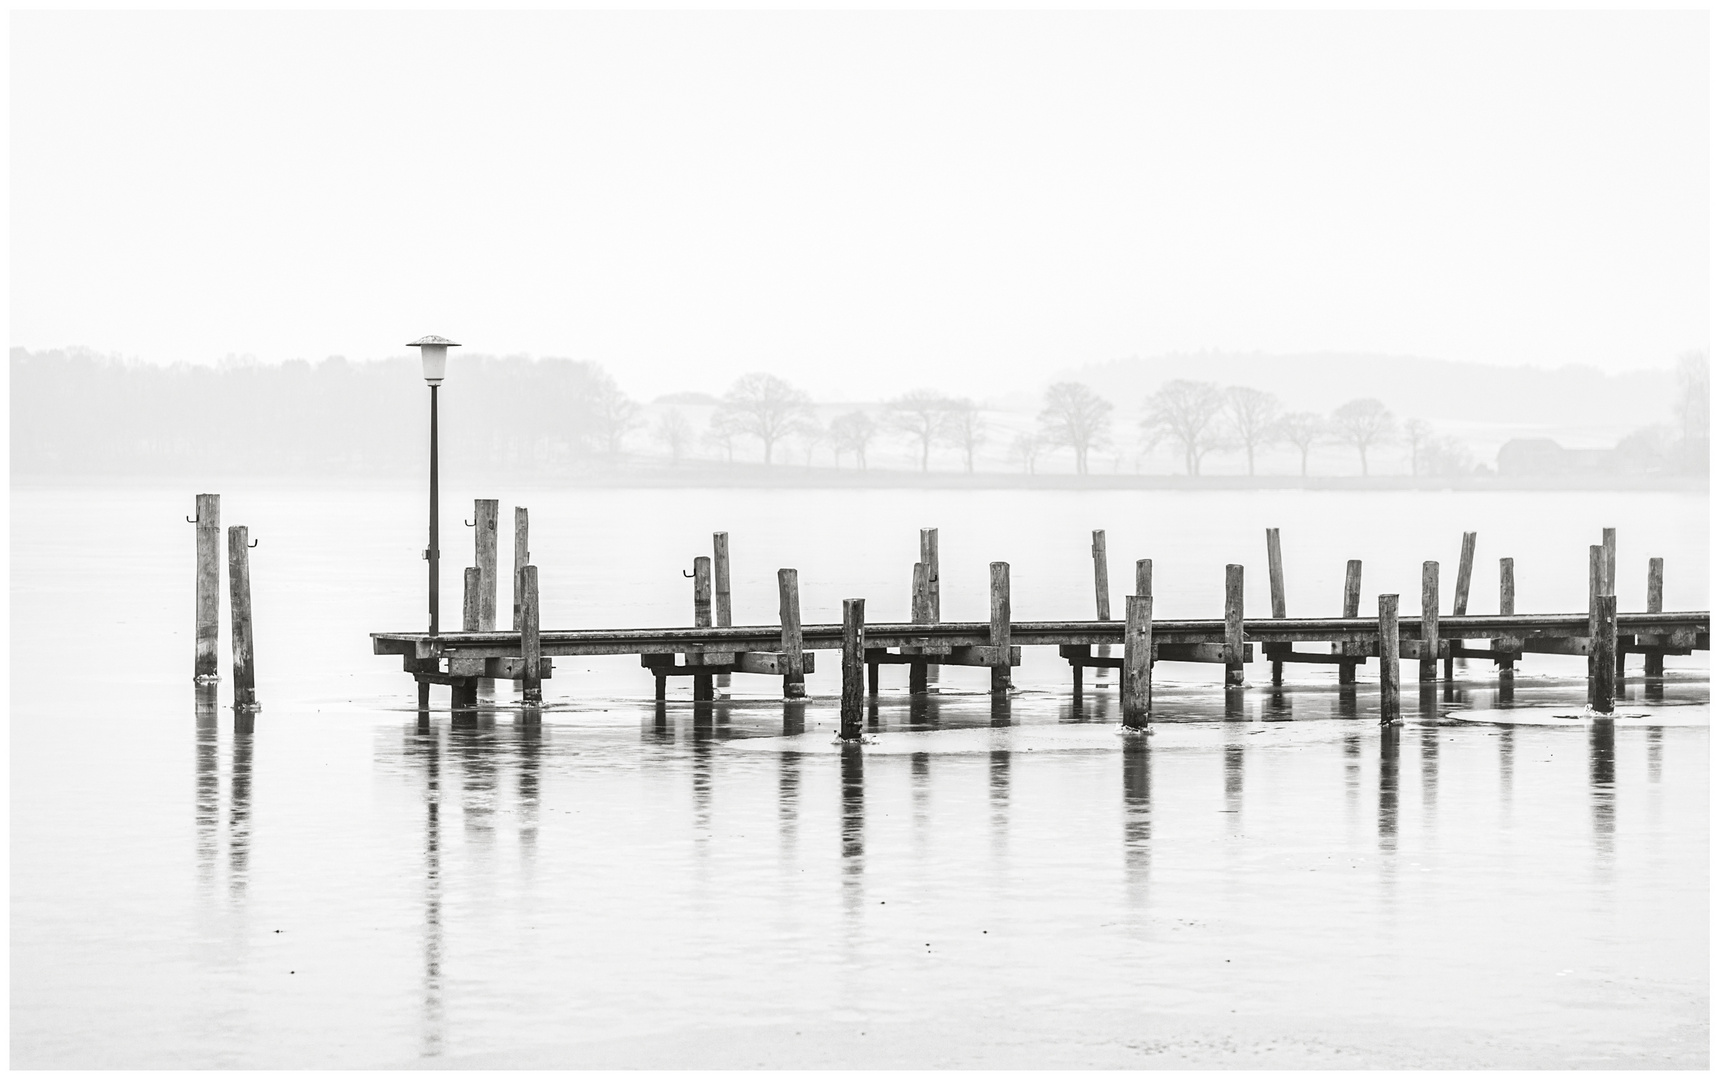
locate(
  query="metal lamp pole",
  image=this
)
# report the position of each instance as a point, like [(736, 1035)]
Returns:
[(433, 351)]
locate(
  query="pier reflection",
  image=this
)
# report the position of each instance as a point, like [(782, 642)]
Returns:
[(1602, 787), (853, 834), (528, 750), (1390, 736), (1137, 814), (1507, 764)]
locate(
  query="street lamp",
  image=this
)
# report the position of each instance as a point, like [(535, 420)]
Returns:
[(433, 351)]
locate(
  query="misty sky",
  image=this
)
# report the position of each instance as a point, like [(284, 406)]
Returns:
[(861, 202)]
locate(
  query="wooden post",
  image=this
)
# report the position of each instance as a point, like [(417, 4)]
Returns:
[(920, 610), (702, 682), (1101, 577), (1143, 577), (1507, 606), (1609, 543), (531, 649), (207, 659), (1000, 625), (1653, 660), (1389, 705), (1460, 595), (239, 602), (1603, 686), (471, 607), (485, 514), (1429, 621), (929, 556), (853, 656), (522, 555), (1352, 610), (788, 610), (1597, 588), (1275, 578), (720, 572), (1233, 625), (1137, 661)]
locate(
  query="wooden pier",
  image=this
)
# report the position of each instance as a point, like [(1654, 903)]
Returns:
[(711, 649)]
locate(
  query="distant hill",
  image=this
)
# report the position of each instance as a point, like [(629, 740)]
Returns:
[(1578, 405)]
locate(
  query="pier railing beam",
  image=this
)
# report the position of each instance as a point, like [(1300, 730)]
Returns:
[(1137, 661), (853, 659), (1233, 651), (207, 659), (1390, 706)]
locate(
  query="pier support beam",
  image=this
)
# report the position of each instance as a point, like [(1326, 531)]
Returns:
[(724, 612), (853, 657), (1507, 606), (702, 684), (920, 613), (531, 649), (522, 554), (1275, 579), (1352, 610), (1389, 703), (1653, 660)]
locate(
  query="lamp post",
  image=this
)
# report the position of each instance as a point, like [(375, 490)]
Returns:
[(433, 351)]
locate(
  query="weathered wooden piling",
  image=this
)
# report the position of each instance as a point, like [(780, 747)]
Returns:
[(1389, 704), (1597, 589), (1233, 650), (522, 555), (1653, 660), (205, 665), (1275, 579), (788, 613), (1507, 606), (1143, 577), (1137, 661), (720, 588), (471, 607), (1609, 544), (1101, 594), (920, 612), (1460, 597), (531, 648), (929, 556), (853, 658), (1429, 667), (1352, 610), (1000, 627), (702, 683), (1603, 687), (485, 517), (239, 604)]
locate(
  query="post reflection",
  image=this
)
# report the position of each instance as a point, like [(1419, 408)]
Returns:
[(1507, 763), (471, 741), (704, 737), (1655, 737), (1000, 714), (1429, 772), (794, 717), (923, 712), (920, 775), (788, 802), (1602, 788), (853, 826), (206, 804), (528, 746), (1388, 805), (1137, 811), (239, 806), (998, 789), (1507, 692)]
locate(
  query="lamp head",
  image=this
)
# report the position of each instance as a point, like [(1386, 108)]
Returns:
[(433, 351)]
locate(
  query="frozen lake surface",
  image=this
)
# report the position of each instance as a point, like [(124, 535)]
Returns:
[(1269, 879)]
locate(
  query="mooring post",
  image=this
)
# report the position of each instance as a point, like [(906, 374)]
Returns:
[(1609, 543), (206, 662), (1597, 588), (1429, 668), (1101, 593), (1460, 596), (1653, 660), (920, 613), (485, 515), (720, 571), (1143, 577), (1233, 648), (239, 601), (531, 647), (1507, 606), (701, 617), (929, 556), (1603, 686), (788, 611), (1389, 705), (472, 605), (1352, 610), (1000, 626), (1275, 578), (1137, 661), (853, 656), (522, 555)]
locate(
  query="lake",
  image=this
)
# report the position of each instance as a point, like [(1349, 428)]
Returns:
[(1268, 880)]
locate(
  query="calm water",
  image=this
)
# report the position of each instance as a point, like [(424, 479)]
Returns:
[(1266, 880)]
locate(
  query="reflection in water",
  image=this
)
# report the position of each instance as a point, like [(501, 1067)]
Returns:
[(528, 734), (920, 773), (1654, 748), (425, 746), (1000, 710), (788, 802), (1429, 773), (1352, 773), (1601, 787), (853, 826), (1137, 813), (794, 717), (207, 803), (1507, 763), (239, 806), (472, 741), (998, 786), (703, 746), (922, 712), (1507, 692), (1388, 818)]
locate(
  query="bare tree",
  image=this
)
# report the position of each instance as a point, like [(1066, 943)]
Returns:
[(764, 407), (852, 432), (1363, 422), (922, 414), (1302, 430), (809, 435), (1185, 412), (674, 432), (966, 427), (1076, 417), (1417, 433), (1026, 448), (722, 434), (613, 414), (1251, 414)]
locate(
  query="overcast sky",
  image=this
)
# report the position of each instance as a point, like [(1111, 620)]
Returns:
[(861, 202)]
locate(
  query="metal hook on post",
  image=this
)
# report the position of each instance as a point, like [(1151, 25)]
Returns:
[(685, 574), (253, 543), (470, 524), (193, 520)]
